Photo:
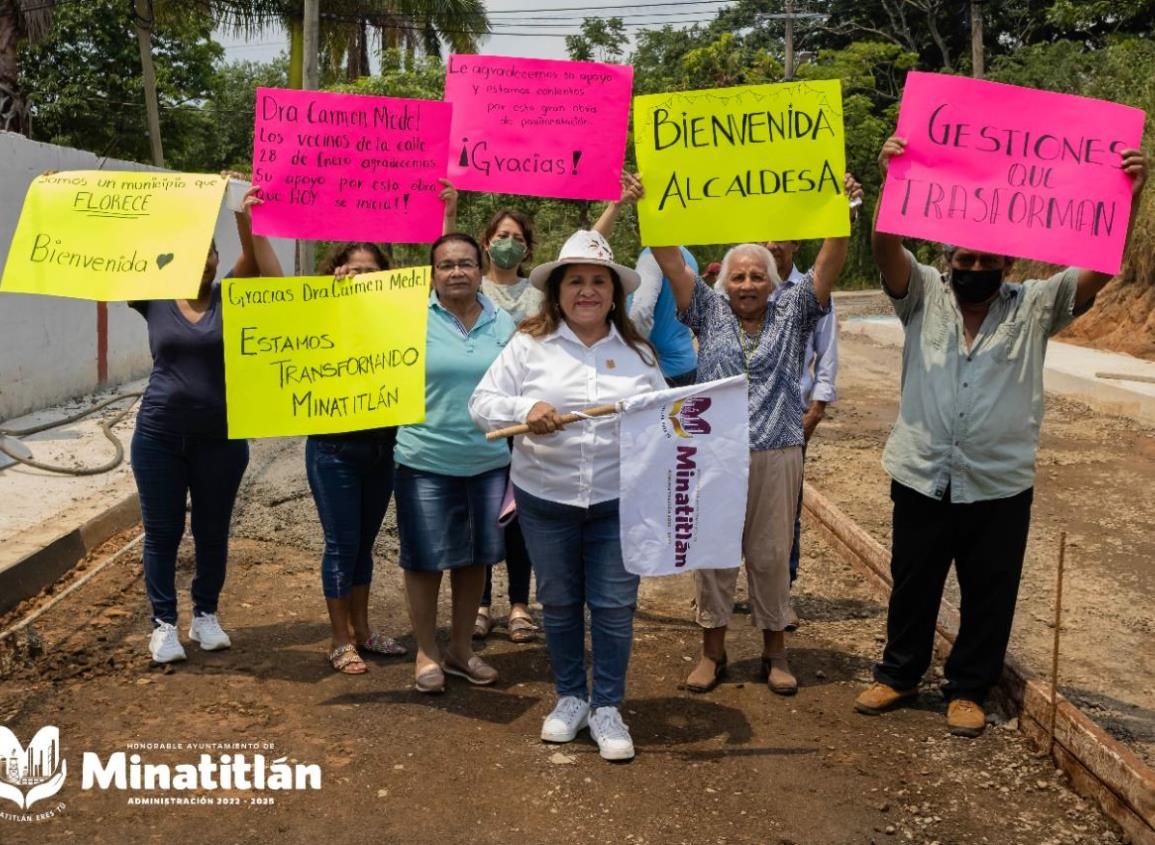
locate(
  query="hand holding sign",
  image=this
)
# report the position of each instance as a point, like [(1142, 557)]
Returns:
[(1012, 171), (106, 235), (538, 127), (349, 167)]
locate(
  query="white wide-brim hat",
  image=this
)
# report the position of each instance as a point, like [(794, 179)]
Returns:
[(586, 247)]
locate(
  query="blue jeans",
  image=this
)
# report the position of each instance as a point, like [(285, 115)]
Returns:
[(577, 558), (169, 469), (351, 480)]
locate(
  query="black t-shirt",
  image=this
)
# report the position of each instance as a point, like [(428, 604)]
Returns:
[(186, 390)]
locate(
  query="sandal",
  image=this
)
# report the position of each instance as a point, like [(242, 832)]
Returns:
[(378, 643), (346, 660), (475, 670), (482, 625), (522, 628)]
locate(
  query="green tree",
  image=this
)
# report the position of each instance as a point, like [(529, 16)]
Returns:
[(20, 20), (84, 86)]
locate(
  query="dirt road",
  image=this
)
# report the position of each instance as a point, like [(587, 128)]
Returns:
[(1096, 481), (737, 766)]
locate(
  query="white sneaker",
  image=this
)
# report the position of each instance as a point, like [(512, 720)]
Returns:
[(164, 644), (569, 716), (206, 630), (611, 734)]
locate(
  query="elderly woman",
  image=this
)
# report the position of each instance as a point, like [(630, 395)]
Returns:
[(581, 350), (449, 481), (741, 331)]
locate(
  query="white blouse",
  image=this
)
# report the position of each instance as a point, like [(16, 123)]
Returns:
[(579, 465)]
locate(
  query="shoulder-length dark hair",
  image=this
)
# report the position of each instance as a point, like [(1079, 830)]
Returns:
[(450, 237), (340, 253), (549, 319), (521, 219)]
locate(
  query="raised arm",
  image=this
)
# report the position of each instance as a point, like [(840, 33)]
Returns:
[(257, 259), (889, 254), (448, 196), (832, 256), (631, 192), (675, 269), (1134, 165)]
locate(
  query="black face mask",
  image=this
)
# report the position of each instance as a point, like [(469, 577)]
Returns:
[(975, 286)]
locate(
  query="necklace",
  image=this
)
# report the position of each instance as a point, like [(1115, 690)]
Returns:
[(749, 344)]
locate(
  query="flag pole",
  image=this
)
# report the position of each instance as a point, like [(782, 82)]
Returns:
[(595, 411)]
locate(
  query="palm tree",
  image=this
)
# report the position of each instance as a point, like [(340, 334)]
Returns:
[(19, 20), (412, 26)]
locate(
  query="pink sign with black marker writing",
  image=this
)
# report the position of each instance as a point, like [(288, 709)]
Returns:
[(1011, 170), (349, 167), (538, 127)]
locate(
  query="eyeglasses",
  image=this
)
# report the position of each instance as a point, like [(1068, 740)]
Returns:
[(465, 264)]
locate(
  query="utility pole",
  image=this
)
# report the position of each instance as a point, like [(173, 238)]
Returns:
[(789, 16), (789, 40), (977, 38), (311, 23), (144, 18)]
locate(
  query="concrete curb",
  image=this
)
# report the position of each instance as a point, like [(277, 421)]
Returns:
[(1100, 767), (27, 575)]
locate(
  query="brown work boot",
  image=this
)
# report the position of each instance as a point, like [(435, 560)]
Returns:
[(965, 718), (779, 677), (707, 674), (879, 697)]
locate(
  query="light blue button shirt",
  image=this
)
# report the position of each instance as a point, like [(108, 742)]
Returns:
[(448, 442), (968, 419)]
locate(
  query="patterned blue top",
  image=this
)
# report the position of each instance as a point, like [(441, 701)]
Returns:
[(775, 368)]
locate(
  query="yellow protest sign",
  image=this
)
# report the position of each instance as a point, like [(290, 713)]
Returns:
[(114, 235), (751, 163), (318, 355)]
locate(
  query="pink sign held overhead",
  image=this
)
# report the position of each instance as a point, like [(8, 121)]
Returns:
[(348, 167), (538, 127), (1010, 170)]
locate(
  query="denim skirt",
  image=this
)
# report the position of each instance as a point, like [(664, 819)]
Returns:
[(446, 521)]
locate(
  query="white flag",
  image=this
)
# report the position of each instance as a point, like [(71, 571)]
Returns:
[(685, 458)]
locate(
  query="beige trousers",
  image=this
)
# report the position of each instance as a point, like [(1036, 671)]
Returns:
[(771, 508)]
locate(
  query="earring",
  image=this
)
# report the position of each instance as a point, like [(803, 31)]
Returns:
[(613, 306)]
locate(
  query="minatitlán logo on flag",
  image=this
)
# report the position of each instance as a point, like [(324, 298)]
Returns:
[(31, 774), (686, 416)]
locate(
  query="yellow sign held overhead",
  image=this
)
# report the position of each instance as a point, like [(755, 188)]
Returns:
[(318, 355), (751, 163), (114, 235)]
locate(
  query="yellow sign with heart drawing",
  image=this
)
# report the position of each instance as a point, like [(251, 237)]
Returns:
[(105, 235)]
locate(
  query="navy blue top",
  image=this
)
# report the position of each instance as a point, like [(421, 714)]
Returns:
[(186, 390)]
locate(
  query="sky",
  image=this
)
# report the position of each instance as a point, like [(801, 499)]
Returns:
[(530, 28)]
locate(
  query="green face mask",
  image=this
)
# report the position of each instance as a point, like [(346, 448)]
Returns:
[(507, 253)]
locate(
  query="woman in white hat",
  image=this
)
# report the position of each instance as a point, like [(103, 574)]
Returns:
[(580, 350)]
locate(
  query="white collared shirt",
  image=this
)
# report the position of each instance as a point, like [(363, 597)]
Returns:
[(579, 465)]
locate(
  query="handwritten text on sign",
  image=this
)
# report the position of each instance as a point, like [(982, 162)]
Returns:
[(114, 235), (742, 164), (317, 355), (1012, 170), (538, 127), (349, 167)]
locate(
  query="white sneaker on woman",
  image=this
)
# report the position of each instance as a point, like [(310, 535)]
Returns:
[(569, 716), (611, 734), (206, 630), (164, 644)]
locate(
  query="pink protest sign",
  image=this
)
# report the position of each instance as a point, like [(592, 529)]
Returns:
[(538, 127), (1010, 170), (349, 167)]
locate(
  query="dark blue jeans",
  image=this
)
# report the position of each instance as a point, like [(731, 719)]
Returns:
[(577, 558), (170, 469), (351, 480)]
